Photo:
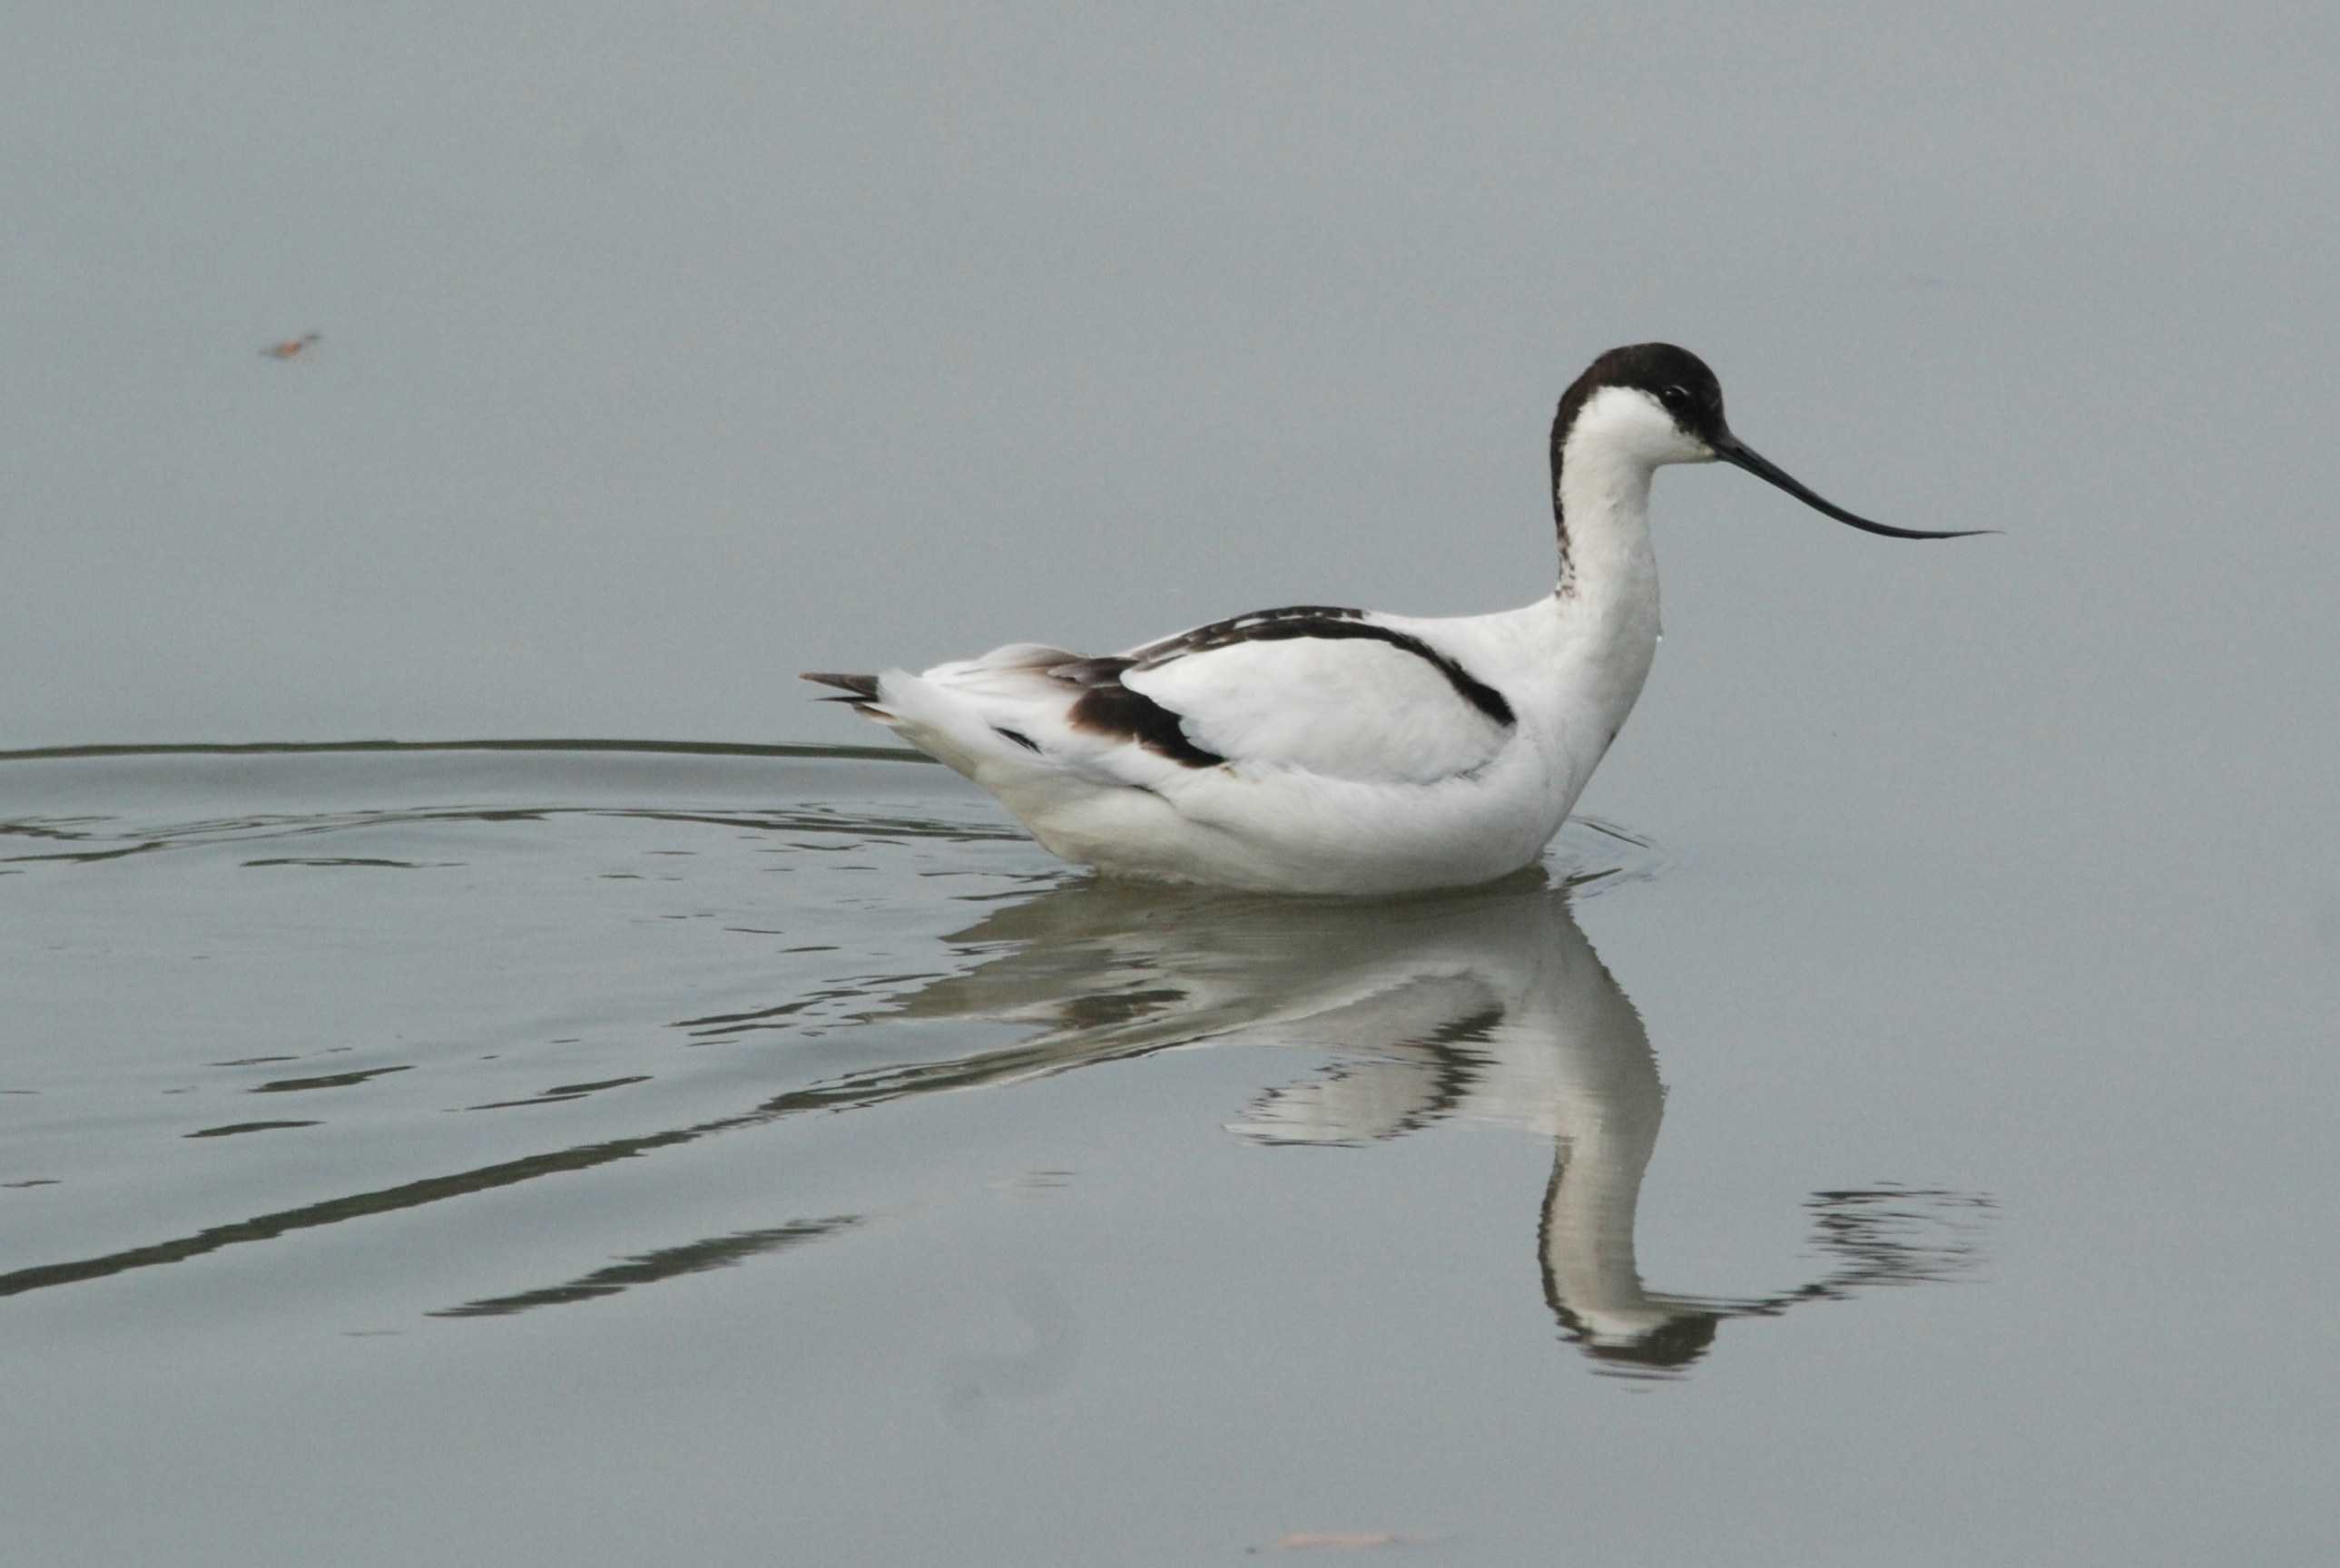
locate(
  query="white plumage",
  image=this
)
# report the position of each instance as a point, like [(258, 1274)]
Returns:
[(1314, 750)]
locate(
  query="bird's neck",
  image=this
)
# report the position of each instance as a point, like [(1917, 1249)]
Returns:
[(1600, 505), (1587, 1235)]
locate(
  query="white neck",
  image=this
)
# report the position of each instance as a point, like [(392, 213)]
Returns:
[(1599, 631), (1603, 506)]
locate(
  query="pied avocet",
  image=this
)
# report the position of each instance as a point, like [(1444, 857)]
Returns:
[(1315, 750)]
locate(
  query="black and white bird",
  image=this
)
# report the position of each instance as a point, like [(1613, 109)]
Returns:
[(1315, 750)]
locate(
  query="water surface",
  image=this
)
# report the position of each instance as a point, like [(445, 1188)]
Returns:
[(581, 1138)]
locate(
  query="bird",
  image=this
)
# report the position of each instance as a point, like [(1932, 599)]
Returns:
[(1316, 750)]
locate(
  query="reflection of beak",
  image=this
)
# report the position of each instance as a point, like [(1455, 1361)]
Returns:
[(1739, 454)]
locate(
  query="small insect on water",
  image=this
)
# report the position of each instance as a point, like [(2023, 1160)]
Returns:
[(293, 348)]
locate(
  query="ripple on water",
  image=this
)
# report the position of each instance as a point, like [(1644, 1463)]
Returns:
[(592, 947)]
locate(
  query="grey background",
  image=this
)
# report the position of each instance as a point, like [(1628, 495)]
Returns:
[(668, 352)]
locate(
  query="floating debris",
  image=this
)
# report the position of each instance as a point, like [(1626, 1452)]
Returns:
[(292, 348)]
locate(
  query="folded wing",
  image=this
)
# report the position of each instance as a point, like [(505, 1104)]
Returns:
[(1329, 692)]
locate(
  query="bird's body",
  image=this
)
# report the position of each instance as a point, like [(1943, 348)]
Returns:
[(1315, 750)]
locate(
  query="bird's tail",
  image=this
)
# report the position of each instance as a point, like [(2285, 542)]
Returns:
[(862, 690)]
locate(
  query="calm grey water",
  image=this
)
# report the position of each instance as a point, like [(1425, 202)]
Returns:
[(537, 1157), (1897, 1127)]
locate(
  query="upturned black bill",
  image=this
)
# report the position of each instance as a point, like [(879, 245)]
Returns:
[(1739, 454)]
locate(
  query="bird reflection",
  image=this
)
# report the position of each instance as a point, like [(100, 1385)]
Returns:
[(1489, 1005)]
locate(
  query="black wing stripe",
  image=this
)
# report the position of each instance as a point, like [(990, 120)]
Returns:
[(1218, 634), (1106, 706), (1308, 621), (1112, 709)]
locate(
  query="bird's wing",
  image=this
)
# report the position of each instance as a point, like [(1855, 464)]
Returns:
[(1336, 693)]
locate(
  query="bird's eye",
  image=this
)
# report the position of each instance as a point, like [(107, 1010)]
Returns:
[(1675, 398)]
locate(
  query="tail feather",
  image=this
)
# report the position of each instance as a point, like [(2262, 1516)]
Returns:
[(863, 688)]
